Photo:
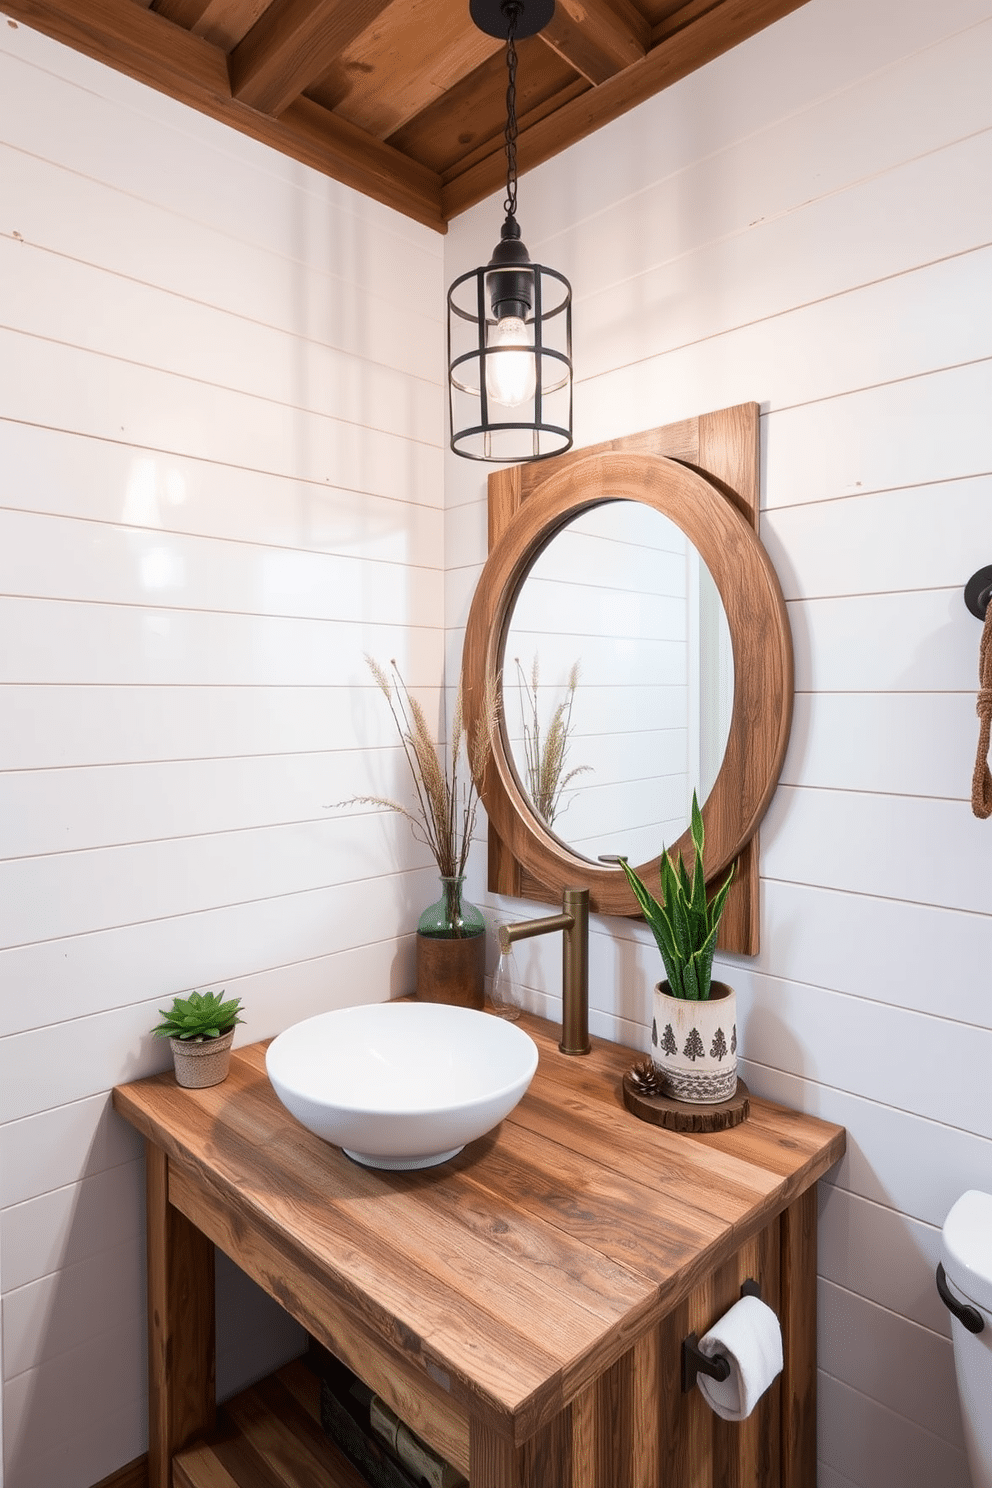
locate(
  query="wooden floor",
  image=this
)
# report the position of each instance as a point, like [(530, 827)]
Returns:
[(269, 1436)]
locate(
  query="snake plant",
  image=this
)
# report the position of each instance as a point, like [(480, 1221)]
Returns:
[(684, 924)]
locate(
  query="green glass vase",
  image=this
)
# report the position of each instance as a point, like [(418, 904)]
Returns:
[(451, 949)]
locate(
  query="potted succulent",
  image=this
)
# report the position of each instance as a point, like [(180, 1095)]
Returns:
[(200, 1028), (694, 1029)]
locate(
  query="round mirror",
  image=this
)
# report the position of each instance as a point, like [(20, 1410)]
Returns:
[(618, 681), (519, 612)]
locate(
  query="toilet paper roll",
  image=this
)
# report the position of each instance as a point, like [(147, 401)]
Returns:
[(750, 1338)]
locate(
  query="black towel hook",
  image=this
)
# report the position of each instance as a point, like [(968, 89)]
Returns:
[(978, 592)]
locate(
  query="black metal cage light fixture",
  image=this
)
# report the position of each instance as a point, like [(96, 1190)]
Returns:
[(510, 322)]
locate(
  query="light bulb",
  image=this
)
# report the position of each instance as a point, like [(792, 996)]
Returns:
[(511, 376)]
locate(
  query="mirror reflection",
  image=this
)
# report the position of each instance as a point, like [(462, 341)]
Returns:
[(618, 681)]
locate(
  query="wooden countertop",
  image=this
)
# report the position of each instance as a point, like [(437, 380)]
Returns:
[(514, 1274)]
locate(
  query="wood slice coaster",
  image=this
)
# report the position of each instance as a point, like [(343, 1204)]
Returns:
[(662, 1110)]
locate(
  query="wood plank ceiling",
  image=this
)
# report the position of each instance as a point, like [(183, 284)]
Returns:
[(402, 99)]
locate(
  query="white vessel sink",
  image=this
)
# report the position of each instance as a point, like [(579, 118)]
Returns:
[(401, 1084)]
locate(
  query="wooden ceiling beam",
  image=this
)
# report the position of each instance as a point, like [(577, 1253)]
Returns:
[(713, 33), (184, 13), (292, 44), (147, 47), (681, 18), (133, 40), (226, 22), (599, 38)]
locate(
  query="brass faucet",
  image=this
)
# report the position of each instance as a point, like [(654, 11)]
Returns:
[(573, 922)]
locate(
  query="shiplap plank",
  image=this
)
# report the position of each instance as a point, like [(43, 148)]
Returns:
[(74, 893), (914, 431), (807, 837), (762, 177), (194, 71), (904, 743), (175, 332), (894, 1158), (757, 96), (867, 1048), (881, 542), (878, 1448), (99, 1392), (459, 591), (65, 388), (885, 1257), (900, 1365), (66, 1062), (59, 558), (69, 1225), (158, 150), (922, 641), (62, 1146), (466, 543), (811, 255), (876, 947), (52, 811), (102, 1294), (826, 1477), (47, 471), (922, 321), (71, 217), (56, 726), (154, 959), (118, 644)]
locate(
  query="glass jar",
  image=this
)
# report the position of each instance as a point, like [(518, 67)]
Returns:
[(452, 917), (451, 949)]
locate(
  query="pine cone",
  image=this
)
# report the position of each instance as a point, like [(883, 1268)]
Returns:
[(644, 1078)]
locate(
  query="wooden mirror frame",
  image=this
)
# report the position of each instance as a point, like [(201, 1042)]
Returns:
[(703, 475)]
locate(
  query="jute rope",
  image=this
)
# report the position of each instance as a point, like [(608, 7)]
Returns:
[(981, 784)]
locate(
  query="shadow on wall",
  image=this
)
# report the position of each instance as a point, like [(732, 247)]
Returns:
[(74, 1336)]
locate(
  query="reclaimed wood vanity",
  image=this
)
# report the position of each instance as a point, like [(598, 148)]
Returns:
[(522, 1307)]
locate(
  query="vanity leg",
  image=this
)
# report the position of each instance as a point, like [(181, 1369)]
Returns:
[(180, 1324), (798, 1316)]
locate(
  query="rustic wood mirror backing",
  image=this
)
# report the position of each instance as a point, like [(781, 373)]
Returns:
[(703, 475)]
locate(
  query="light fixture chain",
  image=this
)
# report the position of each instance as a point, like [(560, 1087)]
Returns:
[(511, 12)]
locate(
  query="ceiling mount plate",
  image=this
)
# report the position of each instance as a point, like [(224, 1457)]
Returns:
[(491, 18)]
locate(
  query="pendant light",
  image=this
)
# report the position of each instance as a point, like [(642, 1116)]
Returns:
[(510, 322)]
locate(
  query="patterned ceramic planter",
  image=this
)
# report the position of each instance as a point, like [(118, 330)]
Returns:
[(203, 1063), (694, 1044)]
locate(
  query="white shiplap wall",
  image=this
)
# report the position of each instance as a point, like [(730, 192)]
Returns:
[(220, 484), (808, 222)]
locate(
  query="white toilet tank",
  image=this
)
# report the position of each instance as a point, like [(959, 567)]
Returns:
[(966, 1256)]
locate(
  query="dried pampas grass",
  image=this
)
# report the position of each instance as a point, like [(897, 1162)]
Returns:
[(447, 803)]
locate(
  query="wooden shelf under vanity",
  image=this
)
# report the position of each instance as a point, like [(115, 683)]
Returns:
[(269, 1436), (521, 1308)]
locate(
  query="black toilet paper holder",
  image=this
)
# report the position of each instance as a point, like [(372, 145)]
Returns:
[(694, 1362)]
